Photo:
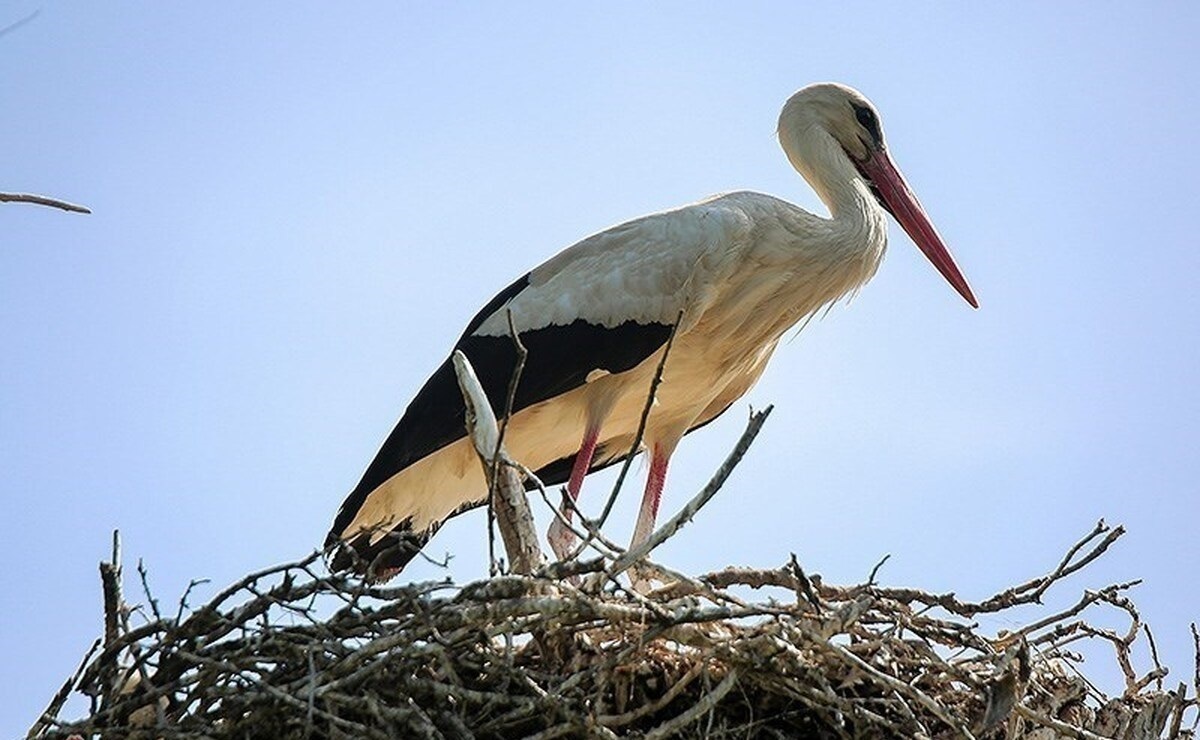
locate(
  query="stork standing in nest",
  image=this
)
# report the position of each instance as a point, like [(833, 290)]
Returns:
[(735, 272)]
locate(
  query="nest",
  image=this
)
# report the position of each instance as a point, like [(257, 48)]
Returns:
[(569, 651)]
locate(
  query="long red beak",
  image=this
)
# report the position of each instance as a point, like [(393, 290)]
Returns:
[(894, 192)]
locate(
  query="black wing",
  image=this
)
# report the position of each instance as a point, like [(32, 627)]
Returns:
[(559, 360)]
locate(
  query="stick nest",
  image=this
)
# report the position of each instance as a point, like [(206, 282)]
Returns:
[(293, 652)]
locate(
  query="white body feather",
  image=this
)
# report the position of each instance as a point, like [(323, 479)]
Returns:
[(740, 268)]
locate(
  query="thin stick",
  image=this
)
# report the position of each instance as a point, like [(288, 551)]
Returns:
[(1031, 591), (591, 537), (51, 712), (153, 602), (1088, 598), (875, 570), (1158, 666), (41, 200), (1196, 658)]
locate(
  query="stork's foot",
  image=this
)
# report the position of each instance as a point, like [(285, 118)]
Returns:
[(562, 539)]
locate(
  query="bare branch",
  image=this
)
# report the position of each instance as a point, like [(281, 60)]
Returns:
[(41, 200), (50, 714)]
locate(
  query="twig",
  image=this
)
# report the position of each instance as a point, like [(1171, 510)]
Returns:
[(1031, 591), (51, 711), (1196, 666), (183, 600), (144, 577), (590, 536), (1158, 666), (40, 200), (1088, 598), (875, 570)]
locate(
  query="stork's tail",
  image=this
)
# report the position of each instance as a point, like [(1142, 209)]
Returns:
[(381, 559), (387, 555)]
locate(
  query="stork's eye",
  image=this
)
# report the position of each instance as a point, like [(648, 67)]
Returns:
[(866, 118)]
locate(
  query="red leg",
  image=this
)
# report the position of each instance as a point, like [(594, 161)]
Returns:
[(583, 461), (650, 500), (562, 540)]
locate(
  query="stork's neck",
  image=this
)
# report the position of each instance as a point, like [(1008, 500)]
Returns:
[(856, 220)]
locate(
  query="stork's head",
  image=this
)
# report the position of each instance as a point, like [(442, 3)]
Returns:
[(832, 132), (842, 112)]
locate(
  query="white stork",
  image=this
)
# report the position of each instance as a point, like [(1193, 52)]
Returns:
[(736, 271)]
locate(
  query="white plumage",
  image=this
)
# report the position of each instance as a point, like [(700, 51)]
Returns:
[(736, 270)]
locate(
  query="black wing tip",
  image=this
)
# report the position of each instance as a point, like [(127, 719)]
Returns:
[(377, 561)]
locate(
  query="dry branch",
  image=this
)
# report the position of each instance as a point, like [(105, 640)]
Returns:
[(43, 200)]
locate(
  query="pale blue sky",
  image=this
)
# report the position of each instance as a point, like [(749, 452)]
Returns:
[(298, 207)]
